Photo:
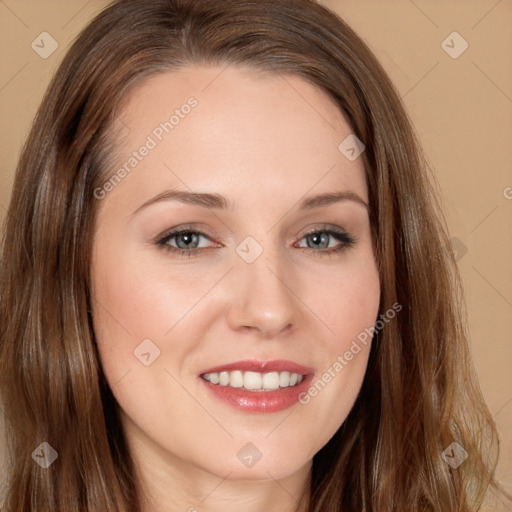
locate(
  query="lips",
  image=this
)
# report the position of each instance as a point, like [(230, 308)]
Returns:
[(279, 365), (286, 381)]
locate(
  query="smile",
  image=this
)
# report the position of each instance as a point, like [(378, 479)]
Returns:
[(258, 386)]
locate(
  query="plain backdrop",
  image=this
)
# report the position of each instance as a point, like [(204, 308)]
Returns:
[(460, 101)]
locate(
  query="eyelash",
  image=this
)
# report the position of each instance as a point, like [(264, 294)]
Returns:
[(347, 240)]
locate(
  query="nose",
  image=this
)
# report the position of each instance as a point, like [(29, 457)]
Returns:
[(263, 299)]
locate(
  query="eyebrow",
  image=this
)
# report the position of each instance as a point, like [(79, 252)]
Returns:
[(219, 202)]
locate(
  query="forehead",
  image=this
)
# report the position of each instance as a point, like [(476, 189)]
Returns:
[(211, 127)]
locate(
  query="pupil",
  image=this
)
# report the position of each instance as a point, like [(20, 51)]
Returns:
[(317, 238), (187, 237)]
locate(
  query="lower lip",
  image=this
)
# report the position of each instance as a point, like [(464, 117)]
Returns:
[(259, 401)]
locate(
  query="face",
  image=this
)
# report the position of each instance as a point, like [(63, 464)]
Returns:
[(227, 303)]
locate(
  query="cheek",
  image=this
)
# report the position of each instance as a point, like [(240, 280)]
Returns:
[(122, 314), (347, 303), (349, 311), (141, 297)]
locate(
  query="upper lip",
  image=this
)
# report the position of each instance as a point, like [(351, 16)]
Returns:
[(278, 365)]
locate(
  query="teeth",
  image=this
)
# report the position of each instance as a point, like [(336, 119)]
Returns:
[(284, 379), (236, 379), (254, 381), (224, 378), (271, 380)]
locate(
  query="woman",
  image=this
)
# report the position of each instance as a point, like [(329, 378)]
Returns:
[(226, 281)]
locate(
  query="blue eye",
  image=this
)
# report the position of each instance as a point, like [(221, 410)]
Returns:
[(187, 241), (318, 241), (321, 239)]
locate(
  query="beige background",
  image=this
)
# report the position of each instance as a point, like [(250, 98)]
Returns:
[(462, 110)]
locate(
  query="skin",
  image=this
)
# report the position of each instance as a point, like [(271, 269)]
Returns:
[(264, 142)]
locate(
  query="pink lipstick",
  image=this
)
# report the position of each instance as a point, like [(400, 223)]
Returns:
[(258, 386)]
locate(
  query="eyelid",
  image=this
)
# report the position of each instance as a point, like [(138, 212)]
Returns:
[(324, 227), (194, 228)]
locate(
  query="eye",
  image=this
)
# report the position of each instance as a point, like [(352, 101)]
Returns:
[(321, 239), (187, 241)]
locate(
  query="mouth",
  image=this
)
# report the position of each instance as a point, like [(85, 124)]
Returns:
[(258, 386)]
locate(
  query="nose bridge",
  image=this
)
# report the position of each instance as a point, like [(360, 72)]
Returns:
[(263, 298)]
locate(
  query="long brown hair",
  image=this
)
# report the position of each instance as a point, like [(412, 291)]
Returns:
[(420, 392)]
